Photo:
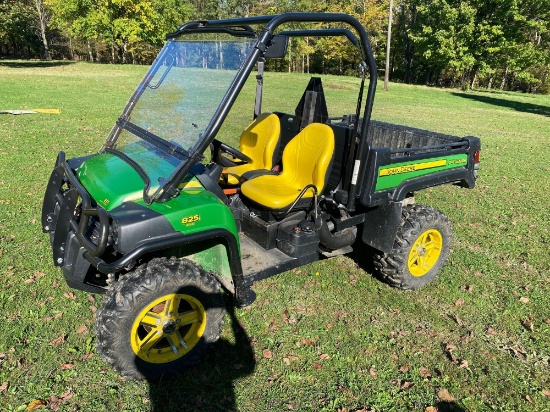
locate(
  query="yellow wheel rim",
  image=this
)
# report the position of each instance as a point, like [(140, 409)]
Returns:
[(168, 328), (425, 252)]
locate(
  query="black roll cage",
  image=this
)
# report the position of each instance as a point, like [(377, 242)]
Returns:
[(242, 27)]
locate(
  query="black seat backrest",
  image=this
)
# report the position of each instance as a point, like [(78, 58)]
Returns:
[(312, 108), (342, 148)]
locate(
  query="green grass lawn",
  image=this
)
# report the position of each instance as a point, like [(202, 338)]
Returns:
[(328, 336)]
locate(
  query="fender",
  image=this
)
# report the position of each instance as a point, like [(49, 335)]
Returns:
[(381, 224)]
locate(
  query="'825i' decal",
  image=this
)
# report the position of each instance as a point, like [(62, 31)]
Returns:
[(190, 220)]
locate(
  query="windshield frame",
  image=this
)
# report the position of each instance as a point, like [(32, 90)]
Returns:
[(240, 27)]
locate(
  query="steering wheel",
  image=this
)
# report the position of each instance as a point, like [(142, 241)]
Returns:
[(219, 147)]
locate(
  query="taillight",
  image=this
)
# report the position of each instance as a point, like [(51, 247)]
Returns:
[(476, 156)]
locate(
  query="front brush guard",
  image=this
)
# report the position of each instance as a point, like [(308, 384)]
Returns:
[(62, 212)]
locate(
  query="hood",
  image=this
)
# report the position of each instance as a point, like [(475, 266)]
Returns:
[(111, 181)]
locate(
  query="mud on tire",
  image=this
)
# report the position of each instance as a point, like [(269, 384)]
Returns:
[(159, 318), (420, 249)]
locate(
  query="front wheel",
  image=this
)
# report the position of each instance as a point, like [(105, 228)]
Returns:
[(420, 249), (159, 319)]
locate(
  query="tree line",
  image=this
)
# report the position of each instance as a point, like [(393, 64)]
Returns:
[(494, 44)]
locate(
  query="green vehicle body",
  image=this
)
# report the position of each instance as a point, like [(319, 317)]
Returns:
[(91, 201), (149, 222), (113, 182), (156, 227)]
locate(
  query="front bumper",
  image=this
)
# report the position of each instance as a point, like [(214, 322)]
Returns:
[(72, 220)]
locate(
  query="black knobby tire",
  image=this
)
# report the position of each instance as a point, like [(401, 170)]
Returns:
[(420, 225), (126, 320)]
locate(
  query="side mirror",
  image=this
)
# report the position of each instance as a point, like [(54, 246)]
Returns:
[(277, 48)]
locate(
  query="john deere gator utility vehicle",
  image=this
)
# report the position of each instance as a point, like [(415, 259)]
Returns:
[(167, 217)]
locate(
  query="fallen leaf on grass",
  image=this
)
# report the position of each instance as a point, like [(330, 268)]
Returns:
[(463, 364), (458, 320), (445, 396), (37, 403), (267, 354), (372, 372), (324, 356), (49, 299), (82, 329), (3, 387), (69, 295), (91, 298), (528, 324), (459, 302), (546, 393), (547, 321), (93, 309), (404, 369), (66, 366), (54, 402), (87, 356), (48, 318), (58, 341), (35, 276), (449, 351), (307, 342), (431, 409), (518, 353), (524, 299), (317, 366), (424, 372), (406, 386), (528, 399), (491, 331), (467, 288)]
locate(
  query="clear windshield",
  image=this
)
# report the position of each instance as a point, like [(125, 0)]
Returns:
[(178, 98)]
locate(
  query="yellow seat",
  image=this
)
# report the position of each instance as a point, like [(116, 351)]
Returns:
[(259, 141), (306, 160)]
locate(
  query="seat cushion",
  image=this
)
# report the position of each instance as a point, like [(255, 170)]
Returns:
[(306, 160)]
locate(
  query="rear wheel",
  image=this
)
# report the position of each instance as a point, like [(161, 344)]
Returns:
[(421, 247), (159, 318)]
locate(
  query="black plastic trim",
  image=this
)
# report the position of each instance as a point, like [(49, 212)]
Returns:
[(244, 294), (423, 182), (380, 227)]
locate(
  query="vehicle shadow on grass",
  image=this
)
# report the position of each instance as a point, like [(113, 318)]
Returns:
[(34, 64), (363, 255), (208, 386), (510, 104)]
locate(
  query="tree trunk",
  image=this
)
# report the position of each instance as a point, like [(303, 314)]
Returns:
[(113, 52), (490, 85), (405, 45), (42, 17), (503, 82), (90, 54), (388, 46), (290, 55), (307, 55), (124, 50), (474, 80)]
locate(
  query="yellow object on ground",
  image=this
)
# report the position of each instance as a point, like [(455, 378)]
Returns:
[(32, 111), (49, 111)]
